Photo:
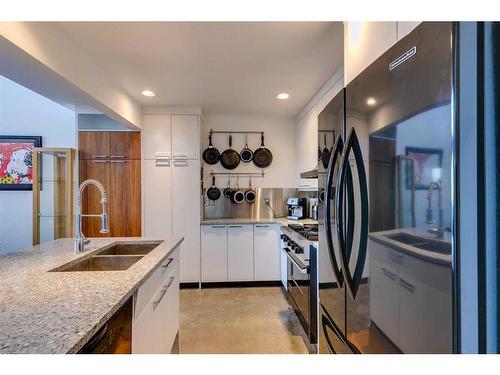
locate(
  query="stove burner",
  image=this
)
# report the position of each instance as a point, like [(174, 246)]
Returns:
[(308, 231)]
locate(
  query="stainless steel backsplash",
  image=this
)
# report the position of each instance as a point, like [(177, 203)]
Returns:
[(223, 208)]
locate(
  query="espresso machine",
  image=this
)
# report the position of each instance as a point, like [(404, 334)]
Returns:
[(297, 208)]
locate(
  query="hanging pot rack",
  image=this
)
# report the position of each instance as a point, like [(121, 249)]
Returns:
[(236, 131), (242, 174)]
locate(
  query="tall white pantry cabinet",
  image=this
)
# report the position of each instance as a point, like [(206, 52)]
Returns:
[(171, 184)]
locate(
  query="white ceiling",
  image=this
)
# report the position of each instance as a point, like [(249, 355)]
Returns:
[(224, 67)]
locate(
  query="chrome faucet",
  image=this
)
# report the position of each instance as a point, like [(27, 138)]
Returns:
[(437, 230), (80, 240)]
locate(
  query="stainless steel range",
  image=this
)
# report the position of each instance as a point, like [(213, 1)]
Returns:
[(299, 243)]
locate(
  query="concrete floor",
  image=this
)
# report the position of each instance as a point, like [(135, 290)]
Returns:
[(239, 320)]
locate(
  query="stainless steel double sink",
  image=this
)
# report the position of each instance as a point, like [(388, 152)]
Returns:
[(436, 246), (117, 257)]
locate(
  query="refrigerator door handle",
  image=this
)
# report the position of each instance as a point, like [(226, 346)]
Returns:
[(337, 151), (352, 280)]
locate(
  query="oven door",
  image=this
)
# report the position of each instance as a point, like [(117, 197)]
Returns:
[(299, 288)]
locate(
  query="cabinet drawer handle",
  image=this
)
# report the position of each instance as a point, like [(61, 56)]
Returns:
[(118, 156), (163, 292), (118, 161), (170, 260), (218, 226), (99, 161), (99, 156), (389, 274), (262, 226), (180, 156), (407, 285), (235, 226)]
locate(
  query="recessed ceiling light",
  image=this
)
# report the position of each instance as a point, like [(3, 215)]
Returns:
[(371, 101), (283, 96), (148, 93)]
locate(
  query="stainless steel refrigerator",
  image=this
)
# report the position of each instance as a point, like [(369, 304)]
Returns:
[(386, 217)]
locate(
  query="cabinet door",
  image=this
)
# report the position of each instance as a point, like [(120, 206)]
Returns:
[(185, 137), (186, 216), (125, 198), (156, 135), (411, 316), (125, 145), (91, 203), (266, 243), (213, 253), (157, 198), (384, 299), (240, 252), (93, 145)]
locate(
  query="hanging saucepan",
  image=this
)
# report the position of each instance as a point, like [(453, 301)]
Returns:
[(325, 154), (237, 196), (262, 157), (213, 192), (250, 195), (230, 159), (246, 154), (227, 190), (211, 155)]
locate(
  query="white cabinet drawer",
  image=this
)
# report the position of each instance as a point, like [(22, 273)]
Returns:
[(153, 283), (152, 331), (266, 252), (213, 253)]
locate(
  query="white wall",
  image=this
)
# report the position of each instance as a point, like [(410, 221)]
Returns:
[(23, 112), (279, 138)]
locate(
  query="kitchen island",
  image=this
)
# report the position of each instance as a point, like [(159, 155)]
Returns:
[(42, 311)]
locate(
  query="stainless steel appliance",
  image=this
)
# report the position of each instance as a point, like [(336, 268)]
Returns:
[(299, 247), (386, 213), (297, 208), (313, 208)]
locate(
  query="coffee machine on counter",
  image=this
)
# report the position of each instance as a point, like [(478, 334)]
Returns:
[(297, 208)]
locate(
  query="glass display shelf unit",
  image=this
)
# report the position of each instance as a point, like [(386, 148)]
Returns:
[(53, 193)]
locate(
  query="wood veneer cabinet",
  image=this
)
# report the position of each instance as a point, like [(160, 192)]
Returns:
[(114, 159)]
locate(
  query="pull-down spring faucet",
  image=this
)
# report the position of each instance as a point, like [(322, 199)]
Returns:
[(80, 240)]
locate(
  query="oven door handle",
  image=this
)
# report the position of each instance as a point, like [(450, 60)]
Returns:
[(302, 269)]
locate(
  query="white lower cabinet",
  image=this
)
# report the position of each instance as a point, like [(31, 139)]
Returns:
[(384, 299), (213, 253), (247, 252), (240, 252), (156, 310), (266, 257)]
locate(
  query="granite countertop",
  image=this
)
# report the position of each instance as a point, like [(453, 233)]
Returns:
[(58, 312), (427, 255), (279, 220)]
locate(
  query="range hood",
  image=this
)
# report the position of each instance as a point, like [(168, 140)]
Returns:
[(313, 173)]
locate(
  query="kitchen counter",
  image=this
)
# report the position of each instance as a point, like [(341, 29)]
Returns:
[(427, 255), (283, 221), (58, 312)]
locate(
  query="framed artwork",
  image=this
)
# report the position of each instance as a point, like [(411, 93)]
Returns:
[(427, 168), (16, 161)]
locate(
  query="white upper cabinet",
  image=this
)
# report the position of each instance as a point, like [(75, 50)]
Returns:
[(185, 137), (306, 147), (157, 136), (364, 42)]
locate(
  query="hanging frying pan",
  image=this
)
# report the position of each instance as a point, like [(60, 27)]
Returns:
[(250, 195), (237, 196), (262, 157), (211, 155), (246, 154), (230, 159), (227, 190), (325, 154), (213, 192)]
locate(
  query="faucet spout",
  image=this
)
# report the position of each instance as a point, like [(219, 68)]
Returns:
[(80, 240)]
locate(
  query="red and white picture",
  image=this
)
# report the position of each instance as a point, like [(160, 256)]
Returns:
[(16, 162)]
